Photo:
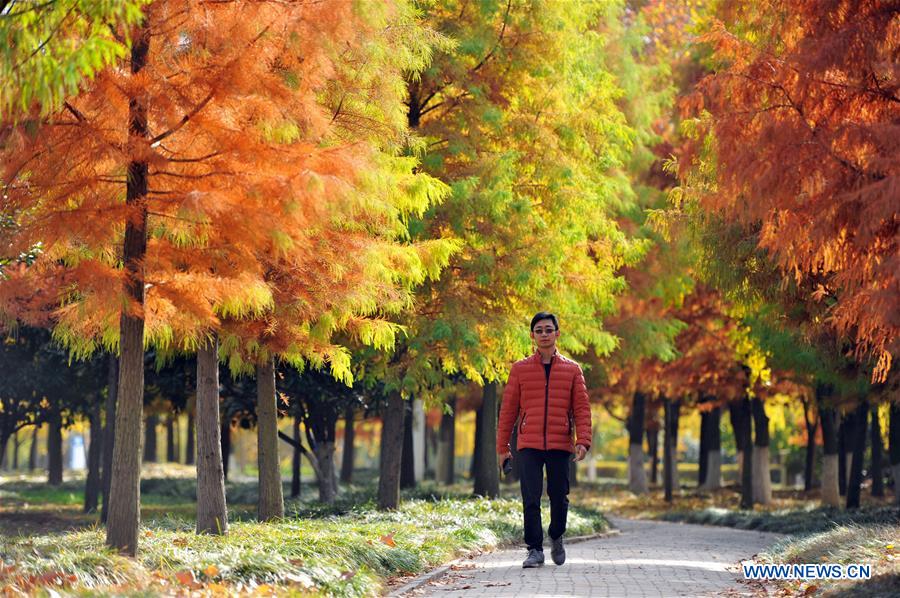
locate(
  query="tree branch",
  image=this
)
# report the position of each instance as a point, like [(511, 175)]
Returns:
[(156, 140)]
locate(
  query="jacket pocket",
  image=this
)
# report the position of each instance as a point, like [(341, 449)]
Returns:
[(522, 425)]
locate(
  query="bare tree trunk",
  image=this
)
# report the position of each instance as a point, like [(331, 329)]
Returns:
[(189, 450), (668, 448), (150, 449), (812, 425), (171, 455), (54, 447), (653, 447), (741, 423), (95, 456), (15, 451), (348, 454), (894, 449), (703, 456), (714, 460), (487, 475), (212, 511), (637, 477), (447, 445), (831, 495), (125, 489), (877, 452), (844, 448), (391, 453), (325, 457), (762, 480), (271, 500), (296, 460), (32, 450), (225, 436), (109, 431), (407, 458), (860, 426), (476, 445)]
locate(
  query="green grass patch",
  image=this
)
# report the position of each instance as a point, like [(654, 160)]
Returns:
[(348, 549)]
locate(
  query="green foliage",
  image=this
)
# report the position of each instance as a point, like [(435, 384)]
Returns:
[(51, 47)]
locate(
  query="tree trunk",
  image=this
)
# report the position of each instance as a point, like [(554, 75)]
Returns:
[(325, 456), (714, 459), (407, 458), (812, 425), (271, 501), (703, 456), (348, 455), (296, 460), (54, 447), (418, 438), (487, 475), (109, 431), (171, 455), (476, 446), (189, 451), (125, 489), (877, 452), (225, 436), (212, 511), (150, 450), (95, 457), (637, 477), (762, 480), (391, 453), (830, 449), (32, 450), (15, 451), (653, 447), (894, 449), (447, 445), (843, 450), (741, 423), (860, 427), (669, 419)]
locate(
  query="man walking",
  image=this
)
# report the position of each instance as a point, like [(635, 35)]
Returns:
[(546, 394)]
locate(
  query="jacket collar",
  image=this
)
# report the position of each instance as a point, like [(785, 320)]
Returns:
[(536, 358)]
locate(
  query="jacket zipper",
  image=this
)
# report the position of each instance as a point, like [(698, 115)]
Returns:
[(546, 400)]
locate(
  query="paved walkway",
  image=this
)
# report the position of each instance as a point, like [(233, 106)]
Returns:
[(648, 558)]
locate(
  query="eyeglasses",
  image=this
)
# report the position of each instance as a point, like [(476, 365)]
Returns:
[(542, 331)]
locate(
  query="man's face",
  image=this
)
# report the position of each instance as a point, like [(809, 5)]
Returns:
[(545, 334)]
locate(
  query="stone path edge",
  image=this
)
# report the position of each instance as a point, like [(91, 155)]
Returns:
[(439, 572)]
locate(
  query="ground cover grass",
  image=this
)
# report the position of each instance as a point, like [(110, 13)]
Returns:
[(349, 549), (877, 544)]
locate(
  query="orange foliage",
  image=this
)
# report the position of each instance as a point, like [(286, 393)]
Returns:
[(807, 130), (247, 166)]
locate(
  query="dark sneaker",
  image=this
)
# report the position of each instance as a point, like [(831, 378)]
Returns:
[(535, 559), (558, 552)]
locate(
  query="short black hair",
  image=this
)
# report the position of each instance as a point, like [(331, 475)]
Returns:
[(544, 315)]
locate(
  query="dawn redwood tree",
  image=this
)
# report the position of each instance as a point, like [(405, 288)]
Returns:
[(150, 151), (533, 176), (802, 117)]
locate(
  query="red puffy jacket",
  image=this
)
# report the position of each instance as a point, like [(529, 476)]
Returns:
[(545, 409)]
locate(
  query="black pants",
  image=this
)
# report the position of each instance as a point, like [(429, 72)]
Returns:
[(531, 476)]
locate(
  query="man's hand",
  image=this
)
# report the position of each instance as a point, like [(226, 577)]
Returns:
[(580, 452), (504, 457)]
